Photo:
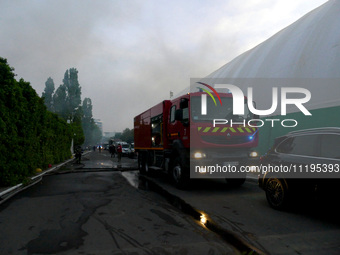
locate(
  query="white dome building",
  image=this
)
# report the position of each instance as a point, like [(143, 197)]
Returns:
[(305, 54)]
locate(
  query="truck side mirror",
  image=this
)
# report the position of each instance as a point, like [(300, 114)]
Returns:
[(179, 115)]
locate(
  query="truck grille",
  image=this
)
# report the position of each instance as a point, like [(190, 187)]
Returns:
[(225, 140)]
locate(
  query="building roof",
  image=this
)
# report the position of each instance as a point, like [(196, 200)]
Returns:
[(308, 48), (305, 54)]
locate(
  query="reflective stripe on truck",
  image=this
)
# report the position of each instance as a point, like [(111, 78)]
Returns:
[(225, 129)]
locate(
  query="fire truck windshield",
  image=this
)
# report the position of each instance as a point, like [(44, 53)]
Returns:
[(224, 111)]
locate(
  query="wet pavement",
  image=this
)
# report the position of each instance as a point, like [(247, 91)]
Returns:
[(102, 207), (85, 210), (103, 161), (307, 228)]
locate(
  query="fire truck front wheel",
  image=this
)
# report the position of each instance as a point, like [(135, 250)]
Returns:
[(179, 174)]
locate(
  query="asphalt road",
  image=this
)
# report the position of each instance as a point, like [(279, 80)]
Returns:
[(85, 210), (308, 228), (91, 209)]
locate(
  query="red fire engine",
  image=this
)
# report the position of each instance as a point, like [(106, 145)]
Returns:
[(174, 134)]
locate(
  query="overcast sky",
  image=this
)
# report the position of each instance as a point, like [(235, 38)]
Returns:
[(130, 54)]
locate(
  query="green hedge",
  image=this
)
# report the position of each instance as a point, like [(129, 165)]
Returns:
[(30, 136)]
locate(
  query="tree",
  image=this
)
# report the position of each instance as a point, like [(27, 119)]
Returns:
[(87, 121), (67, 97), (73, 92), (93, 134), (127, 135), (66, 102), (48, 94), (77, 129), (87, 108), (59, 102)]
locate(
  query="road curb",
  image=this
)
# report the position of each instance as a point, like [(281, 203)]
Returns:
[(7, 193)]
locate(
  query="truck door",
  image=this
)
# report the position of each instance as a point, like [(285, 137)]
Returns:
[(179, 121)]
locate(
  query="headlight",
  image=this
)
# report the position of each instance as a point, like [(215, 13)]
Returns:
[(253, 154), (198, 155)]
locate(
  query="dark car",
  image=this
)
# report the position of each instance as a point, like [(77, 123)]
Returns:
[(302, 165)]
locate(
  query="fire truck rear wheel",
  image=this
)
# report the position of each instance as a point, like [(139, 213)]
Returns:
[(143, 163), (179, 175)]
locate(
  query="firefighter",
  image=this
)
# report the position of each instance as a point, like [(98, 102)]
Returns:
[(119, 151), (78, 154), (112, 150)]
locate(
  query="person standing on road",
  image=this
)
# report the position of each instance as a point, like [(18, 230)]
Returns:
[(112, 149), (119, 152), (78, 154)]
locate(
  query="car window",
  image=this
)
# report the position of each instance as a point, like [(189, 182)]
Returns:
[(299, 145), (285, 146), (330, 146)]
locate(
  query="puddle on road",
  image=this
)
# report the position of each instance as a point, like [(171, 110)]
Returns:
[(132, 177), (98, 165), (144, 183)]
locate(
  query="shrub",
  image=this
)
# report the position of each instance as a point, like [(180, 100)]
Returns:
[(30, 136)]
